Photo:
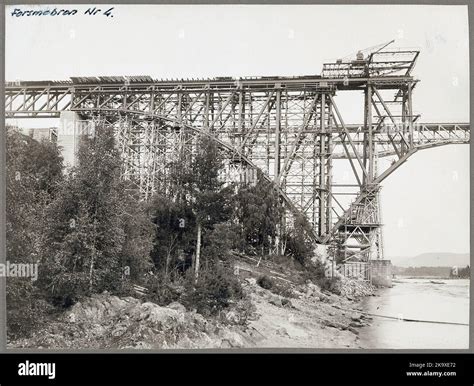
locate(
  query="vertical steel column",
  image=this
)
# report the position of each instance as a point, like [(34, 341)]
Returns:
[(365, 136), (403, 149), (410, 115), (206, 110), (276, 166), (269, 137), (322, 168), (180, 108), (329, 168), (152, 100), (369, 127), (241, 118)]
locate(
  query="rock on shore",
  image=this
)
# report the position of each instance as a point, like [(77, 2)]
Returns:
[(105, 321)]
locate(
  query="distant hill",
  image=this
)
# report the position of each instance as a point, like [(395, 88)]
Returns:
[(423, 271), (439, 259)]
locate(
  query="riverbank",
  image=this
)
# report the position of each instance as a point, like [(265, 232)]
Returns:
[(314, 319), (305, 316)]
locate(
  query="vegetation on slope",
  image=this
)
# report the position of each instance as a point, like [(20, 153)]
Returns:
[(90, 233)]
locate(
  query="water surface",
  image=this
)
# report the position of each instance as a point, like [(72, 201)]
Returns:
[(419, 299)]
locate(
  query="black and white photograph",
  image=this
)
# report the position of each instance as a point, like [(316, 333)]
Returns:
[(233, 177)]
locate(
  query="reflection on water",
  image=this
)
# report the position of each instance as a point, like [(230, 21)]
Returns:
[(419, 299)]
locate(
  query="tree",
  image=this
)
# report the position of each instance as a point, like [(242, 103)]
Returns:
[(219, 242), (297, 243), (138, 243), (259, 211), (95, 232), (34, 172), (211, 199), (33, 176), (174, 233)]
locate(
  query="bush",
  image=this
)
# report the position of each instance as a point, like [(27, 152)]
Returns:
[(331, 284), (26, 310), (239, 313), (63, 289), (22, 322), (313, 271), (283, 289), (265, 282), (161, 292), (214, 291)]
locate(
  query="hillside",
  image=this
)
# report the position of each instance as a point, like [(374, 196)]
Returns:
[(303, 315), (437, 259)]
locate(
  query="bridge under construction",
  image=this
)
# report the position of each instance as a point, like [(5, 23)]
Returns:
[(289, 128)]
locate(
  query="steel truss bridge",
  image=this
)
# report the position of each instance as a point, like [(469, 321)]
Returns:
[(289, 128)]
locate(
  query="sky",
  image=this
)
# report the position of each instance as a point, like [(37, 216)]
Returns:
[(425, 203)]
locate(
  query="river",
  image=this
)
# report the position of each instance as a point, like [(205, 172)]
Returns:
[(418, 299)]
